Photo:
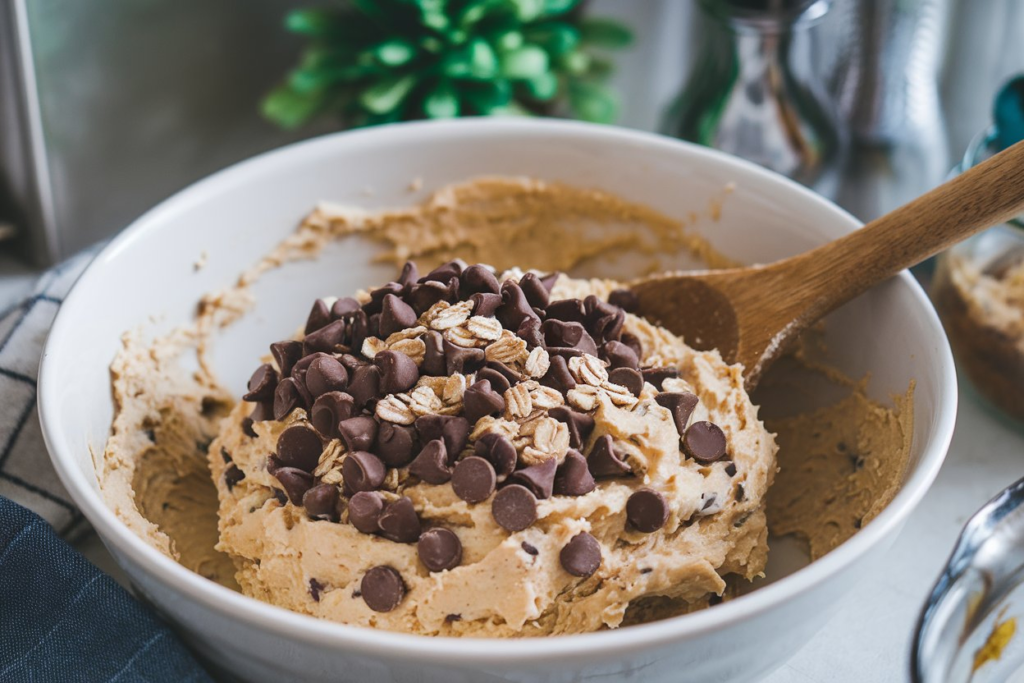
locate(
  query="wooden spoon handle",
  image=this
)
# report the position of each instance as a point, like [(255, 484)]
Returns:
[(986, 195)]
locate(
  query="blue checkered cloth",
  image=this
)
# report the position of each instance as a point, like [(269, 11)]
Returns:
[(61, 618)]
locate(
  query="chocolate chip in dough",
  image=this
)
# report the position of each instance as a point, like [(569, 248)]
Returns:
[(363, 471), (485, 304), (286, 354), (481, 400), (581, 556), (680, 404), (647, 510), (580, 424), (232, 476), (321, 502), (629, 378), (299, 446), (473, 479), (326, 374), (619, 355), (658, 375), (398, 372), (431, 465), (730, 469), (399, 521), (319, 317), (315, 588), (295, 482), (358, 433), (626, 299), (534, 290), (605, 461), (573, 477), (364, 510), (382, 589), (529, 549), (396, 444), (461, 360), (514, 508), (439, 549), (329, 410), (539, 478), (499, 451), (262, 384), (326, 339), (395, 316), (704, 442)]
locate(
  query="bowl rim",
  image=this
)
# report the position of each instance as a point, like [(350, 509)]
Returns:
[(440, 649)]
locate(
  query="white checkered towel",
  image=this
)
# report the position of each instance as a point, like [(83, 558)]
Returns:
[(26, 476)]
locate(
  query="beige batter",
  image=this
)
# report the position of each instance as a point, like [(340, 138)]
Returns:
[(687, 561)]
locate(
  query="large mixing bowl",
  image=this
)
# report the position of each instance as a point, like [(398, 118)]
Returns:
[(237, 215)]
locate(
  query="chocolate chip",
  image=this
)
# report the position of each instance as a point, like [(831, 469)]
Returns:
[(477, 279), (514, 308), (224, 455), (382, 589), (581, 556), (300, 369), (299, 446), (619, 355), (580, 424), (365, 385), (423, 296), (444, 272), (295, 482), (330, 409), (373, 325), (573, 477), (264, 410), (704, 442), (431, 465), (452, 618), (232, 476), (499, 451), (350, 362), (286, 354), (534, 290), (480, 400), (459, 360), (398, 372), (740, 493), (539, 478), (730, 469), (455, 435), (608, 328), (410, 274), (629, 378), (325, 339), (326, 374), (395, 444), (430, 427), (529, 549), (321, 502), (399, 521), (376, 302), (439, 549), (433, 357), (498, 381), (395, 316), (363, 471), (315, 588), (344, 308), (625, 299), (364, 509), (287, 398), (262, 384), (558, 376), (633, 342), (658, 375), (358, 329), (680, 404), (358, 433), (514, 508), (604, 461), (566, 310), (561, 334), (529, 331), (473, 479), (485, 303), (647, 510), (508, 373), (318, 317), (565, 352)]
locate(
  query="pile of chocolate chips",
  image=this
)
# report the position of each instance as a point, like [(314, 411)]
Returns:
[(326, 375)]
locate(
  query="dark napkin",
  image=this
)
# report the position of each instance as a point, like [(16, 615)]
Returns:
[(62, 619)]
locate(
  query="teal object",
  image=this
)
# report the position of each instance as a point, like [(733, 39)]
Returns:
[(1008, 113)]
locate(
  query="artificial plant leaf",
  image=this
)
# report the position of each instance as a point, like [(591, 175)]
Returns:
[(307, 80), (475, 10), (442, 102), (507, 40), (558, 38), (394, 52), (483, 63), (592, 102), (386, 94), (484, 97), (528, 10), (605, 33), (290, 109), (556, 7), (543, 87), (576, 63), (527, 62)]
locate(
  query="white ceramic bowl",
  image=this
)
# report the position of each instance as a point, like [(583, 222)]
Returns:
[(237, 215)]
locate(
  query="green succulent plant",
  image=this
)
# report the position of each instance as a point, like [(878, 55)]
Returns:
[(379, 61)]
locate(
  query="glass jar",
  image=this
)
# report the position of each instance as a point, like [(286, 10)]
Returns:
[(978, 290)]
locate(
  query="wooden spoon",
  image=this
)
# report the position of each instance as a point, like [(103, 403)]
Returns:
[(751, 314)]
